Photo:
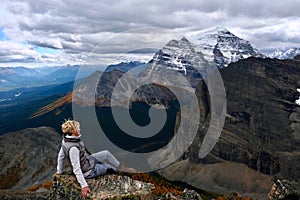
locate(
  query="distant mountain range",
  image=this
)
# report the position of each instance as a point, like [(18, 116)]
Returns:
[(286, 53), (125, 66), (20, 77)]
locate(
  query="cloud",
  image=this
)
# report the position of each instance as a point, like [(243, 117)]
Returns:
[(76, 27), (15, 52)]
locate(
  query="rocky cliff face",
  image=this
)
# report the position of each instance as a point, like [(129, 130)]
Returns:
[(261, 96), (259, 137)]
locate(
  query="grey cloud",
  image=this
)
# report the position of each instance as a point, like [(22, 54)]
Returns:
[(279, 36), (264, 9), (92, 16), (77, 26), (44, 44), (275, 40)]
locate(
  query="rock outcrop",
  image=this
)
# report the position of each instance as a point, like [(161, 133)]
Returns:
[(102, 187), (65, 187), (284, 190)]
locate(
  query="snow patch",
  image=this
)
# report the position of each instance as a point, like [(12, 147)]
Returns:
[(180, 67), (298, 100), (18, 94)]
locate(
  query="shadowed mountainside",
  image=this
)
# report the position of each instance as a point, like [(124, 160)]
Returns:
[(260, 137)]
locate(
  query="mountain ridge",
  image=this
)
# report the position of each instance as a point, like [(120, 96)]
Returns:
[(285, 53)]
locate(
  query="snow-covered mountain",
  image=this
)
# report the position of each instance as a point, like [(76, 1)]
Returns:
[(223, 47), (179, 55), (193, 53), (288, 53)]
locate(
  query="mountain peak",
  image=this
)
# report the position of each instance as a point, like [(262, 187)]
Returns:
[(221, 46), (212, 31), (184, 39), (221, 29), (218, 29)]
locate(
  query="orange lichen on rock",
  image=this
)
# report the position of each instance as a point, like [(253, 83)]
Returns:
[(34, 188), (47, 185)]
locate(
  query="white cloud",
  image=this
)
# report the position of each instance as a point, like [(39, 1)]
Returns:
[(16, 52)]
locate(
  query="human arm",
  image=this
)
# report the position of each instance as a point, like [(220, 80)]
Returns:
[(75, 162), (60, 160)]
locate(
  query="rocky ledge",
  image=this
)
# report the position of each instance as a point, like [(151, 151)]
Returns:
[(65, 187), (103, 187)]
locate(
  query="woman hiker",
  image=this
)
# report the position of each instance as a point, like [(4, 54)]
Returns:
[(83, 165)]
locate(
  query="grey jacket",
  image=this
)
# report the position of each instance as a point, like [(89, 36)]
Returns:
[(87, 162)]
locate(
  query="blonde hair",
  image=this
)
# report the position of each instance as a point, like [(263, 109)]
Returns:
[(70, 126)]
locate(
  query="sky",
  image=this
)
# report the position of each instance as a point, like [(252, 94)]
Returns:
[(59, 32)]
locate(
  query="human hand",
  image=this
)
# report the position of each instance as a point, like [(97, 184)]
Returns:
[(85, 191), (56, 174)]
